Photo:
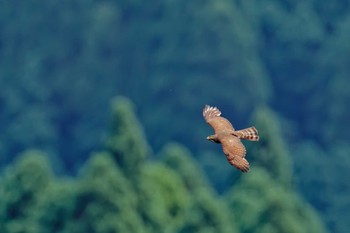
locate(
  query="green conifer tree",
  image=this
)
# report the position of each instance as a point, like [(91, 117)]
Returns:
[(24, 184), (55, 211), (207, 212), (163, 199), (271, 152), (180, 159), (259, 203), (264, 200), (127, 141), (325, 181), (105, 201)]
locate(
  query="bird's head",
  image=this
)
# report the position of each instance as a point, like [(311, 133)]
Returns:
[(213, 138)]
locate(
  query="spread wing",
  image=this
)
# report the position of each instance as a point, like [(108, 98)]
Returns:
[(231, 144), (213, 118), (235, 152)]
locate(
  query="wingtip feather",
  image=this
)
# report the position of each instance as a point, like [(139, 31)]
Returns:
[(210, 111)]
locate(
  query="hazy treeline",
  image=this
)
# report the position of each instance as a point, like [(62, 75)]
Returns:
[(62, 62), (120, 190)]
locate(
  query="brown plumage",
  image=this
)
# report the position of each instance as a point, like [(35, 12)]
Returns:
[(229, 138)]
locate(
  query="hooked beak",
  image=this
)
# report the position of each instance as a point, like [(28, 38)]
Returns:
[(213, 138), (210, 138)]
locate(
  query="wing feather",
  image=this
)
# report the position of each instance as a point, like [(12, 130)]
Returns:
[(240, 163), (229, 138), (212, 116), (235, 152)]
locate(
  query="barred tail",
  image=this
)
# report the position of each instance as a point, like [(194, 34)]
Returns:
[(248, 134)]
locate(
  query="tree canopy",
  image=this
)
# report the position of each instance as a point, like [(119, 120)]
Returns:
[(63, 63), (117, 190)]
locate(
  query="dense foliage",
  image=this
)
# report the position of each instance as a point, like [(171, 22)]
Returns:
[(61, 63), (120, 190)]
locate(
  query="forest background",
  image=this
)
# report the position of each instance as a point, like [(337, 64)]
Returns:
[(101, 127)]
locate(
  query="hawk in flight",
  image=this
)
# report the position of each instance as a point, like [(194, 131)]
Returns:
[(229, 138)]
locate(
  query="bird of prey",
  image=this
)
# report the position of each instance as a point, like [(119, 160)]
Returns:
[(229, 138)]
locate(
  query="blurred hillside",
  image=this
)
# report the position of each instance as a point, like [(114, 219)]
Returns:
[(280, 65), (119, 190)]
